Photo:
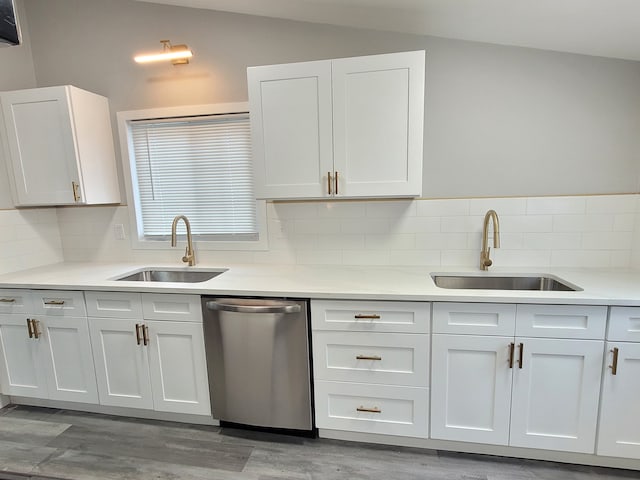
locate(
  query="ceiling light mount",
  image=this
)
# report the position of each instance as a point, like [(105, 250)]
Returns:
[(177, 54)]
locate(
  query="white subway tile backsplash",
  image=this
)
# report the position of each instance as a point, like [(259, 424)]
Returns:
[(607, 240), (461, 224), (368, 225), (441, 241), (556, 205), (581, 258), (368, 257), (389, 241), (611, 204), (442, 208), (551, 241), (415, 257), (583, 223), (624, 222), (525, 223), (586, 231), (417, 225), (341, 210), (502, 206)]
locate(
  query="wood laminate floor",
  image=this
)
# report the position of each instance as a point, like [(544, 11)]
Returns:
[(40, 443)]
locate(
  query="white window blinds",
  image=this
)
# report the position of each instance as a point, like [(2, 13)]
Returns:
[(199, 167)]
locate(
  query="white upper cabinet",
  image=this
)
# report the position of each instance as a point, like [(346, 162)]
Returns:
[(59, 147), (341, 128)]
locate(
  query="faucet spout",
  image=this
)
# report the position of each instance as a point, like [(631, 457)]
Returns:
[(189, 254), (485, 259)]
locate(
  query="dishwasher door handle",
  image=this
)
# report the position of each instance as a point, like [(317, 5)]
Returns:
[(255, 306)]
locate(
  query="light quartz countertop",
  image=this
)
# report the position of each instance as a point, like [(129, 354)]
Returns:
[(599, 287)]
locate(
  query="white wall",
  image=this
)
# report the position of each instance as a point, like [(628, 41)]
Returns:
[(500, 121)]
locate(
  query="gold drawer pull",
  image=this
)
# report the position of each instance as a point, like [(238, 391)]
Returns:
[(29, 328), (361, 316), (76, 195), (145, 335), (512, 347), (369, 410), (614, 364), (8, 300), (138, 337), (54, 302), (329, 182), (35, 324), (368, 357)]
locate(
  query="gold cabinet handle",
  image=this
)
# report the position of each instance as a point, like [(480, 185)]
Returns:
[(368, 357), (329, 182), (520, 358), (35, 323), (145, 335), (336, 181), (7, 300), (512, 347), (54, 302), (76, 195), (138, 338), (614, 363), (29, 328), (361, 316), (368, 409)]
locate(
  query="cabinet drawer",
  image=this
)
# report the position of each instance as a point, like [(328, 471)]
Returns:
[(59, 303), (114, 304), (387, 358), (561, 321), (185, 308), (624, 324), (380, 409), (474, 318), (15, 301), (365, 316)]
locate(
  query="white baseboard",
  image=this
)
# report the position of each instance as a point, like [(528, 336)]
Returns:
[(123, 412), (497, 450), (4, 401)]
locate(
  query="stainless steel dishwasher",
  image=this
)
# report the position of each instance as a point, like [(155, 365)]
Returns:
[(258, 361)]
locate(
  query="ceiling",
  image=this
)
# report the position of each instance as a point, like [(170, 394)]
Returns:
[(609, 28)]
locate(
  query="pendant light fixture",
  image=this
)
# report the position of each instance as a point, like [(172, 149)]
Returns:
[(177, 54)]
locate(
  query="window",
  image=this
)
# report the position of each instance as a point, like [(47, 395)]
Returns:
[(193, 161)]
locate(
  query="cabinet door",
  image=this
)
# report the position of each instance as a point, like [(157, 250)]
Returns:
[(22, 369), (178, 367), (42, 152), (378, 115), (471, 388), (620, 410), (69, 361), (122, 365), (290, 109), (555, 394)]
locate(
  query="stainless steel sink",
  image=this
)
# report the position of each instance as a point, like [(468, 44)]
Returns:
[(486, 282), (166, 275)]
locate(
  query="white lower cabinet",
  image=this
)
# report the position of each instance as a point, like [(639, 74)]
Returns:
[(122, 363), (47, 356), (371, 366), (149, 363), (556, 391), (619, 434), (519, 391), (471, 388)]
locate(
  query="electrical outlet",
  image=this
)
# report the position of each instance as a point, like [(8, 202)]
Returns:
[(118, 231)]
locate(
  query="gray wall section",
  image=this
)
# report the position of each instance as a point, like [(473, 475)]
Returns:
[(499, 121), (16, 71)]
